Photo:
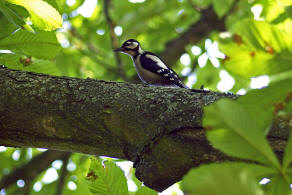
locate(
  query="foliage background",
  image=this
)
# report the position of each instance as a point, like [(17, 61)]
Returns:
[(253, 50)]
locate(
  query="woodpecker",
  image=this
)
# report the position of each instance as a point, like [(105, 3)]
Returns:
[(150, 68)]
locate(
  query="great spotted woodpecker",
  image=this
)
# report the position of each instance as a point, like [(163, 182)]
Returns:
[(150, 68)]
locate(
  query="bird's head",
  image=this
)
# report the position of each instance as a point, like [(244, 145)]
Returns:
[(131, 47)]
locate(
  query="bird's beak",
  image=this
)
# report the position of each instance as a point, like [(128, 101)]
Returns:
[(119, 49)]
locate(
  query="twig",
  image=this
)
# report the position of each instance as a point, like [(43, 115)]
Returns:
[(197, 31), (114, 40), (93, 53), (32, 169), (63, 175), (27, 188)]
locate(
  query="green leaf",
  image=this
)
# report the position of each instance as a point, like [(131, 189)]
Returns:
[(236, 178), (145, 191), (7, 25), (202, 3), (257, 48), (208, 76), (106, 179), (18, 62), (289, 173), (11, 60), (288, 11), (43, 15), (281, 18), (54, 4), (43, 66), (135, 179), (288, 152), (68, 61), (281, 76), (259, 103), (235, 133), (278, 185), (222, 6), (40, 45), (142, 190), (12, 16)]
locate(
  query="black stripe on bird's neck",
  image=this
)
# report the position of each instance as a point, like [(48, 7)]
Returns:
[(137, 51), (136, 55)]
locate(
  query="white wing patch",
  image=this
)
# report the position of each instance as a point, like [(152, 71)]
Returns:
[(157, 60)]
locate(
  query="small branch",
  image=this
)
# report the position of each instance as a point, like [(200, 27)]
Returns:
[(91, 51), (32, 169), (197, 31), (27, 188), (114, 39), (63, 175)]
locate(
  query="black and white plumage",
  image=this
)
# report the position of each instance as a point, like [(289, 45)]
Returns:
[(150, 68)]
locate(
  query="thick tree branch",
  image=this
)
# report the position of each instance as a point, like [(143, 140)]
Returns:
[(159, 129)]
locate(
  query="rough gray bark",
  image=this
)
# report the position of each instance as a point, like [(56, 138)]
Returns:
[(159, 129)]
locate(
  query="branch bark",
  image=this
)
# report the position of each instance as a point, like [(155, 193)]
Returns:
[(159, 129)]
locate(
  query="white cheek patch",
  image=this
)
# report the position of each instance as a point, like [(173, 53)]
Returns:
[(132, 45), (140, 50), (157, 60)]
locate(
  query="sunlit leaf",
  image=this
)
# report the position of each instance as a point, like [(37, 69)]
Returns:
[(284, 2), (41, 44), (12, 16), (222, 6), (43, 15), (106, 179), (278, 185), (145, 191), (19, 62), (236, 178), (11, 60), (260, 103), (235, 133), (257, 48)]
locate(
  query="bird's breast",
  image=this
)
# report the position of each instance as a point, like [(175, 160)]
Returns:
[(147, 76)]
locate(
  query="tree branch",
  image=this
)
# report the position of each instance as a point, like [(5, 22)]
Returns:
[(199, 30), (33, 168), (114, 39), (157, 128), (63, 175)]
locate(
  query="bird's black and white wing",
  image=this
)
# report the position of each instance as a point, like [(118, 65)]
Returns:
[(154, 64)]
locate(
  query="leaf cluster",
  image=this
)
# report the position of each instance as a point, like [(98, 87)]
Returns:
[(106, 177), (238, 128)]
